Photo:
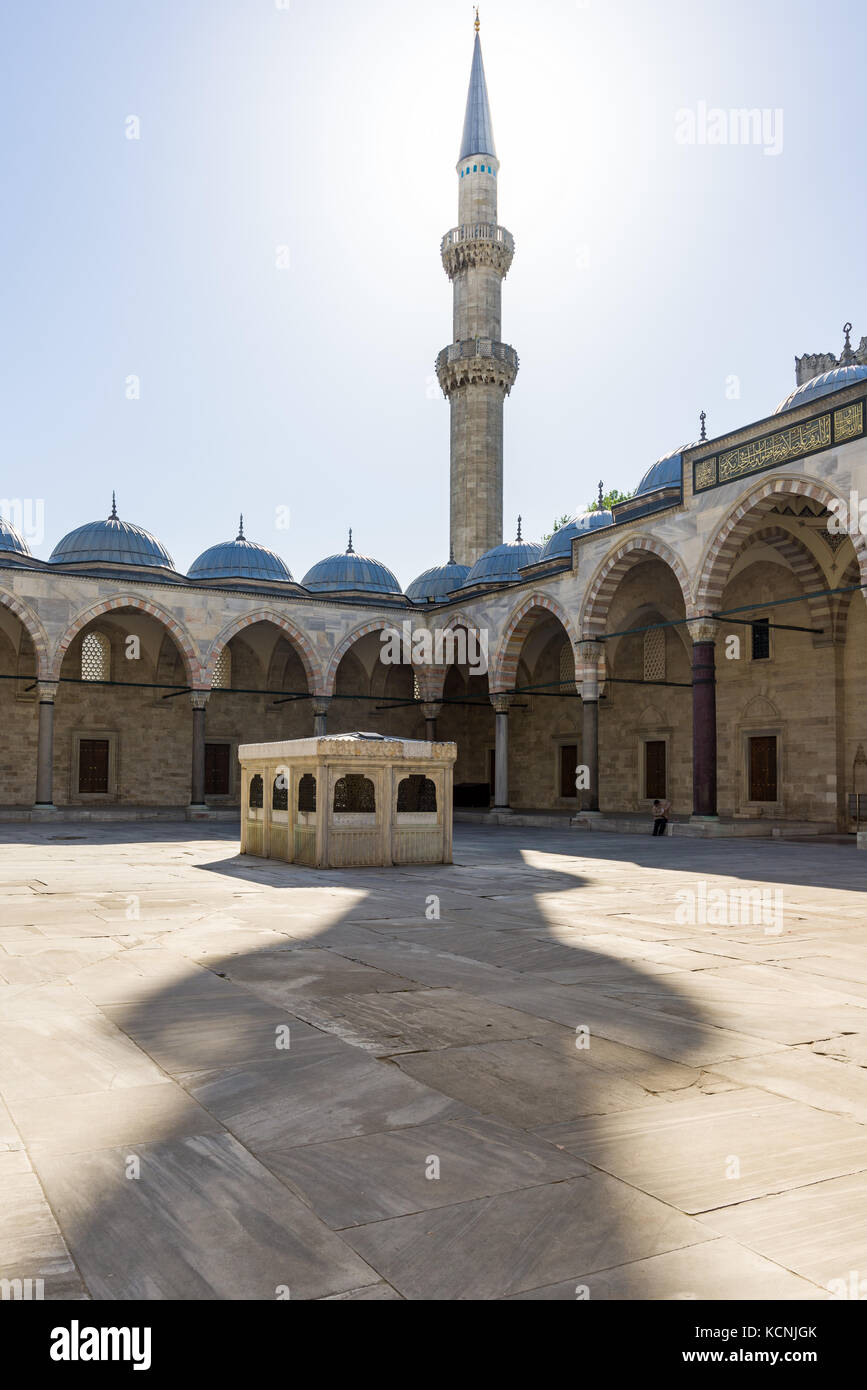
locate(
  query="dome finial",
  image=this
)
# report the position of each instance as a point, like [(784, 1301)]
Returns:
[(600, 501), (847, 356), (349, 549), (113, 513), (240, 535), (452, 560), (703, 418), (477, 26), (519, 537)]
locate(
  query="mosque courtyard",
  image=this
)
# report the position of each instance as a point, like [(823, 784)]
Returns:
[(567, 1066)]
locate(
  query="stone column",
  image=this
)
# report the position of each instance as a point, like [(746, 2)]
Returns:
[(198, 807), (591, 659), (47, 692), (703, 632), (320, 715), (501, 705), (431, 713)]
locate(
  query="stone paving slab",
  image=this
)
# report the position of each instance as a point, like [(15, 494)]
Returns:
[(505, 1244), (530, 1084), (146, 974), (185, 1035), (716, 1270), (819, 1231), (129, 1116), (31, 1244), (323, 1088), (354, 1182), (718, 1150), (204, 1220), (420, 1020)]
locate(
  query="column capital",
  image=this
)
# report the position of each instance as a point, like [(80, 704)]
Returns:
[(199, 698), (590, 651), (703, 629), (501, 702), (321, 704), (431, 710), (47, 691)]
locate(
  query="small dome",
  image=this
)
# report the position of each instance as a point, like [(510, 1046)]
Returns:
[(501, 564), (438, 582), (559, 546), (10, 540), (351, 573), (666, 472), (112, 542), (823, 385), (240, 559)]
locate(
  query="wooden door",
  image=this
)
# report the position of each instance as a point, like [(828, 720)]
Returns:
[(763, 768), (654, 769), (568, 768), (216, 769), (93, 766)]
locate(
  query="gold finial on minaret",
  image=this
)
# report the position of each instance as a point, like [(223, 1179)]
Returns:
[(477, 26)]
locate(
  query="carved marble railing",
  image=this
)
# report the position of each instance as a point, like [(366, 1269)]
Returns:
[(479, 243), (477, 361)]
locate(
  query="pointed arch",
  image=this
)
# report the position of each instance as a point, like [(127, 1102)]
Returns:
[(186, 646), (505, 666), (805, 566), (349, 641), (730, 537), (34, 629), (301, 643), (616, 566)]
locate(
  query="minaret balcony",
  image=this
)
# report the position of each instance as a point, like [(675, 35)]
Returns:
[(477, 362), (479, 243)]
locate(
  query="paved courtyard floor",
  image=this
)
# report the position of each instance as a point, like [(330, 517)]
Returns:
[(225, 1078)]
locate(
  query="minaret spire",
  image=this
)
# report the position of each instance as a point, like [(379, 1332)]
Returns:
[(477, 370), (478, 136)]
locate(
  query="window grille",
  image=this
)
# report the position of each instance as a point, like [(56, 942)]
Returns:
[(96, 657), (654, 654)]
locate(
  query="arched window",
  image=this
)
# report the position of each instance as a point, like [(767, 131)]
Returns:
[(307, 793), (416, 793), (654, 654), (257, 793), (223, 670), (95, 657), (354, 793), (280, 793)]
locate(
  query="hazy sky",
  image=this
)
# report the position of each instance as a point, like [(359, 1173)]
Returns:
[(648, 272)]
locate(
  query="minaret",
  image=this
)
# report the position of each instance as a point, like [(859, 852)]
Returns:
[(477, 371)]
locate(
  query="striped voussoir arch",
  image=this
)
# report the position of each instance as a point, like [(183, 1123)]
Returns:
[(184, 641), (505, 669), (309, 660), (804, 565), (375, 625), (735, 531), (34, 628), (631, 552)]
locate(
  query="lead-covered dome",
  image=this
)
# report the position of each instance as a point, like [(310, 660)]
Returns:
[(12, 540), (351, 573), (559, 545), (823, 385), (666, 472), (240, 559), (112, 542), (502, 564), (438, 582)]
